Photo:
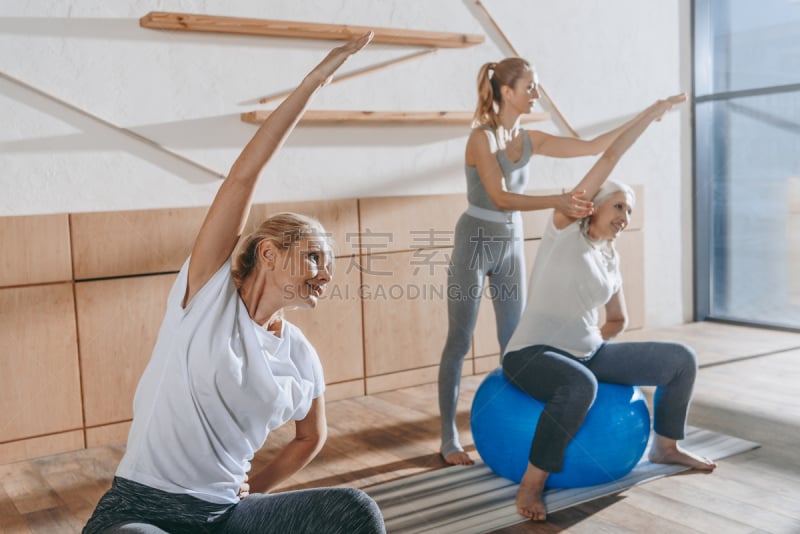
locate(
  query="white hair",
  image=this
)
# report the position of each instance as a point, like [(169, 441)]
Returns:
[(611, 187)]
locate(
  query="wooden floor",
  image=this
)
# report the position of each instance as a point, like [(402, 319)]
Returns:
[(747, 387)]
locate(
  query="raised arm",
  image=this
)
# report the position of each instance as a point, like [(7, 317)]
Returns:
[(228, 213), (481, 154), (570, 147), (600, 171)]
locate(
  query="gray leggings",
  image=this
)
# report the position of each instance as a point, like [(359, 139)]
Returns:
[(568, 387), (482, 248), (135, 508)]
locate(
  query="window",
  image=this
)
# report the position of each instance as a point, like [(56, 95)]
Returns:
[(747, 161)]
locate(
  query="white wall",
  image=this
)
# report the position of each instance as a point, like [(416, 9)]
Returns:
[(92, 105)]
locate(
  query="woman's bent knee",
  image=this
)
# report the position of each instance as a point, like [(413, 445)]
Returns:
[(685, 359), (580, 393), (364, 511)]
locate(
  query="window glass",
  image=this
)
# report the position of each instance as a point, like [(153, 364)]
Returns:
[(755, 208), (754, 43), (747, 161)]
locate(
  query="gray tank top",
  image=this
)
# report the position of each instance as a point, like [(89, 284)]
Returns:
[(515, 173)]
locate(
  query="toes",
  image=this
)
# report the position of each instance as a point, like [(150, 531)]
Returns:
[(710, 464), (533, 515), (458, 458)]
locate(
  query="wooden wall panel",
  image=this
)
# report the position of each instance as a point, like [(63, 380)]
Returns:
[(486, 364), (413, 377), (334, 326), (25, 449), (630, 245), (409, 223), (39, 380), (637, 217), (36, 250), (533, 222), (403, 379), (107, 434), (405, 312), (344, 390), (339, 217), (381, 326), (118, 322), (122, 243)]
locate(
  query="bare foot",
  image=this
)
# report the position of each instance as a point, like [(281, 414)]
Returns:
[(529, 495), (458, 458), (667, 451)]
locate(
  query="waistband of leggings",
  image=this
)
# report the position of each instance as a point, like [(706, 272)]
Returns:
[(502, 217)]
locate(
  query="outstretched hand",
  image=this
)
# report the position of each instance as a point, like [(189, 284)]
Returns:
[(573, 205), (663, 106), (323, 72)]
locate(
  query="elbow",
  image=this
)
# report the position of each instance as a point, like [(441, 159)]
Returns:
[(613, 328), (312, 443), (241, 173), (502, 202), (319, 440), (596, 146)]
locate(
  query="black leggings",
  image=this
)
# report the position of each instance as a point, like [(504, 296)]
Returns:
[(568, 387), (131, 507)]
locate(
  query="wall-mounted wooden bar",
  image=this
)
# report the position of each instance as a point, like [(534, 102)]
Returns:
[(321, 117), (304, 30)]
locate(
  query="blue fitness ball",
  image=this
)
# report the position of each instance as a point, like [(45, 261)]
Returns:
[(608, 445)]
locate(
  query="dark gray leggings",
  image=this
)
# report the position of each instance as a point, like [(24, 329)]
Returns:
[(568, 387), (134, 508)]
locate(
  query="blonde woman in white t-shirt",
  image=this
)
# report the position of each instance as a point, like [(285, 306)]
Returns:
[(558, 351), (227, 369)]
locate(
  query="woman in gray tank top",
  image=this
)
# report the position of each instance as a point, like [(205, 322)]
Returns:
[(488, 236)]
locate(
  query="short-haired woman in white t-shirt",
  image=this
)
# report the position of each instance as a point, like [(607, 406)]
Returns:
[(227, 369), (558, 351)]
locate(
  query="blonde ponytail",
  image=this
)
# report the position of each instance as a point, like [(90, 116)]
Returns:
[(491, 78), (485, 112)]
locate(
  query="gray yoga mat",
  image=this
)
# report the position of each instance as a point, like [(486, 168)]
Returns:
[(473, 499)]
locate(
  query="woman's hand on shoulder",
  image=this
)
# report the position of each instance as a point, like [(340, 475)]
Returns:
[(570, 207)]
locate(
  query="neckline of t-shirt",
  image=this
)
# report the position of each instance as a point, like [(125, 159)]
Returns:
[(272, 335)]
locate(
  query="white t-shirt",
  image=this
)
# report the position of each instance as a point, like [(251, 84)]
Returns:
[(569, 281), (216, 385)]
